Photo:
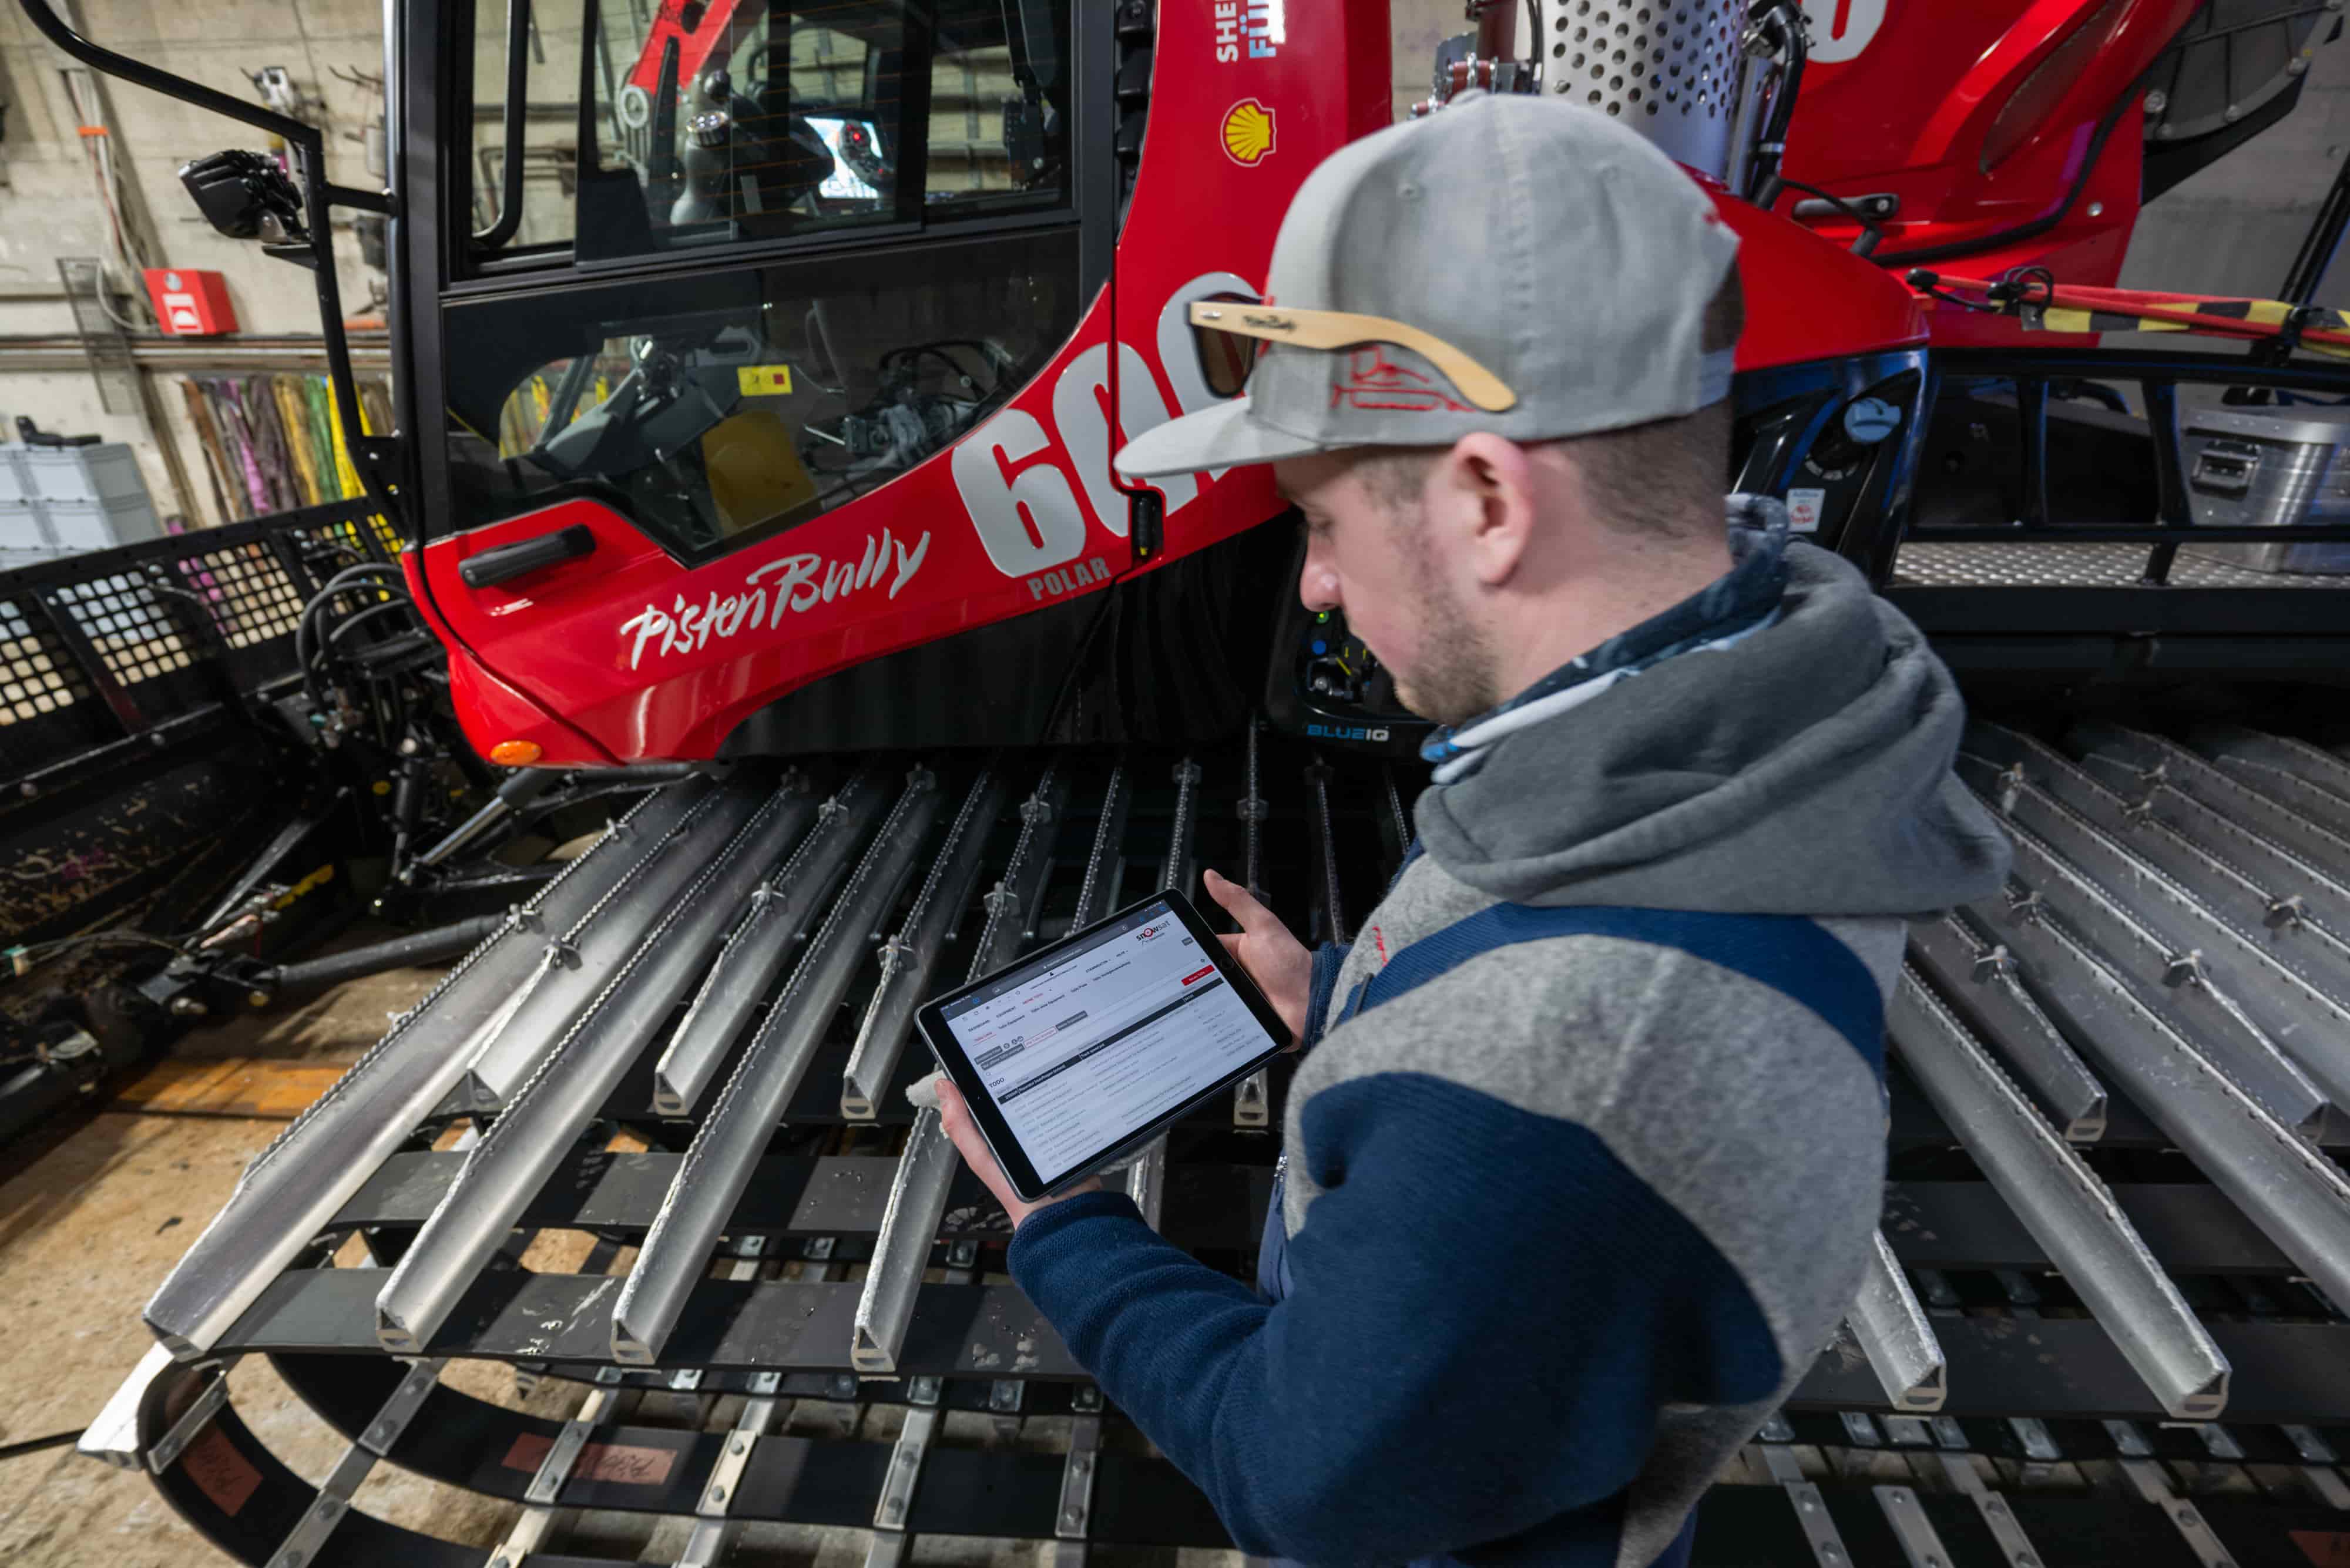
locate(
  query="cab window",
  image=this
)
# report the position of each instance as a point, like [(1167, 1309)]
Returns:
[(720, 120), (718, 409)]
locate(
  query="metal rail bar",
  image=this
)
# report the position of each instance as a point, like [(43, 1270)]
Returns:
[(918, 1188), (2303, 896), (725, 1152), (2253, 880), (1146, 1177), (545, 1118), (2238, 989), (918, 1201), (315, 1167), (2296, 1196), (1251, 1101), (2169, 980), (1013, 902), (2299, 776), (1106, 861), (782, 911), (2228, 890), (1979, 981), (1326, 852), (1893, 1332), (2064, 1206), (581, 954), (909, 958), (2162, 765)]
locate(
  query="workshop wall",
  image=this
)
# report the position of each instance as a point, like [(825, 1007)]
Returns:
[(50, 206)]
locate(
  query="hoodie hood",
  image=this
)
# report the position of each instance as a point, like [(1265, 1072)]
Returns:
[(1804, 770)]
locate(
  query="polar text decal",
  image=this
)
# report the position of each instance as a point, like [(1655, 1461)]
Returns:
[(786, 586)]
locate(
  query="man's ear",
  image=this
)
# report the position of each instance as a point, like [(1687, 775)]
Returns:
[(1484, 489)]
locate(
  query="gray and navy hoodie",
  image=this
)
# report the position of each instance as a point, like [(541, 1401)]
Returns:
[(1584, 1160)]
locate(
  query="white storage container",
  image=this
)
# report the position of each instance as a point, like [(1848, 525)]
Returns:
[(92, 525), (107, 472), (25, 525), (14, 483)]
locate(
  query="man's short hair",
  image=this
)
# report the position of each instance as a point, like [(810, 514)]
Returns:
[(1661, 476), (1665, 478)]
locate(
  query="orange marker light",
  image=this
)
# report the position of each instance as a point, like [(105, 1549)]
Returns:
[(515, 754)]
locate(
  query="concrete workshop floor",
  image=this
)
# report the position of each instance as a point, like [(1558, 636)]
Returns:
[(95, 1210)]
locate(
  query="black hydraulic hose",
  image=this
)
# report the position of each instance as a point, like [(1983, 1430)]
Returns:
[(1789, 30), (417, 948), (403, 604)]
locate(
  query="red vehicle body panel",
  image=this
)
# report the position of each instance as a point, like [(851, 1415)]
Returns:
[(1983, 118), (643, 658)]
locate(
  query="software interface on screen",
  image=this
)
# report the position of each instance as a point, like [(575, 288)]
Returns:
[(1108, 1036)]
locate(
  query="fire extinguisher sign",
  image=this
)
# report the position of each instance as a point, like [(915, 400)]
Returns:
[(189, 302)]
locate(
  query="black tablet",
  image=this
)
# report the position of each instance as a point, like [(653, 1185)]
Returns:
[(1083, 1050)]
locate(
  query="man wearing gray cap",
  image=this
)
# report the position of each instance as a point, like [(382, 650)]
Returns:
[(1582, 1170)]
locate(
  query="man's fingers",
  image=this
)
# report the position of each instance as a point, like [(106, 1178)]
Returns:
[(1236, 901)]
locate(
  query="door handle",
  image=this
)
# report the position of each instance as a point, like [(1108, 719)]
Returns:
[(503, 562)]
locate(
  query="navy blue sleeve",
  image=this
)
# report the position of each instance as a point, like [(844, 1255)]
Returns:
[(1489, 1309), (1327, 960)]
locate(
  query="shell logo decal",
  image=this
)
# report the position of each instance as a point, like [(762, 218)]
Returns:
[(1248, 132)]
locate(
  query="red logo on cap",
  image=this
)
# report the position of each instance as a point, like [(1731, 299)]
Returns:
[(1375, 381)]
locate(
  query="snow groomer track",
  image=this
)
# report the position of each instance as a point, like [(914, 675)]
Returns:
[(2102, 1326)]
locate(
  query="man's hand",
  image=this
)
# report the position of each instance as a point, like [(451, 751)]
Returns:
[(1277, 961), (956, 1117)]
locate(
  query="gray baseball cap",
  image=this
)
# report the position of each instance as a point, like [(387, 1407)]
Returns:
[(1507, 263)]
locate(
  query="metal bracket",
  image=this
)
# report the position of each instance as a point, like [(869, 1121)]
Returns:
[(896, 1498), (602, 1403), (2032, 1433), (1997, 1517), (1919, 1542), (400, 1404), (1077, 1479), (1860, 1429), (2128, 1441), (2184, 969), (2286, 914), (726, 1475), (326, 1510), (1811, 1509), (1997, 962), (1251, 1106), (193, 1420), (2147, 1476), (1005, 1395)]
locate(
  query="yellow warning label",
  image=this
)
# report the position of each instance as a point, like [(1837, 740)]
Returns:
[(764, 380)]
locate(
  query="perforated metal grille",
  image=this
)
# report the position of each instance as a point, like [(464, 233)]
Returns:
[(247, 592), (2050, 566), (37, 675), (1645, 62), (127, 625)]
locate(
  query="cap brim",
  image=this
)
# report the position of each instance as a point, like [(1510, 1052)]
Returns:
[(1225, 436)]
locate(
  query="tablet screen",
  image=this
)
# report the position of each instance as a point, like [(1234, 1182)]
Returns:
[(1099, 1038)]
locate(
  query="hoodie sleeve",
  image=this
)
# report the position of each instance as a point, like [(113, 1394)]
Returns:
[(1328, 960), (1432, 1381)]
